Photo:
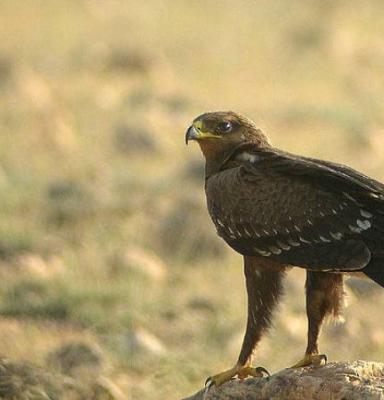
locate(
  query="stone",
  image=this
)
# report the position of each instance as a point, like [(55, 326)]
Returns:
[(357, 380)]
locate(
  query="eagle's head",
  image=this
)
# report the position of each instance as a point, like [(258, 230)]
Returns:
[(219, 133)]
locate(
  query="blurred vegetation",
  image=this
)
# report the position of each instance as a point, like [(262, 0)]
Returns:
[(106, 248)]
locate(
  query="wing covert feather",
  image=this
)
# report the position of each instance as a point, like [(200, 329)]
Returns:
[(297, 211)]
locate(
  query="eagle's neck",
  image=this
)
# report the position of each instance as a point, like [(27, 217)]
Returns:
[(215, 155), (218, 155)]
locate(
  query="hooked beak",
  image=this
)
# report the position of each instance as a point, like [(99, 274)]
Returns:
[(194, 132)]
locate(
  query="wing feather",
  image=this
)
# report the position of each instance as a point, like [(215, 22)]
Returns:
[(297, 210)]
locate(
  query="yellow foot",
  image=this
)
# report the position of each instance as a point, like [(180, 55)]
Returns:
[(311, 359), (241, 371)]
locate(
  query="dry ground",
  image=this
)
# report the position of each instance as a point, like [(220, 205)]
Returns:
[(105, 243)]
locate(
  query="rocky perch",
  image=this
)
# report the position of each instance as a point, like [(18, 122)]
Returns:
[(357, 380)]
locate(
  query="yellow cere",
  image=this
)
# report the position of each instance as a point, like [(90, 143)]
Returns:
[(198, 125)]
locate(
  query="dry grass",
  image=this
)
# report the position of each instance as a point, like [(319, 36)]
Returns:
[(104, 236)]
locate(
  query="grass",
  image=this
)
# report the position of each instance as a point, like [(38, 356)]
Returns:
[(94, 100)]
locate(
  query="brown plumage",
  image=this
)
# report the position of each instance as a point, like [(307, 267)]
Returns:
[(279, 210)]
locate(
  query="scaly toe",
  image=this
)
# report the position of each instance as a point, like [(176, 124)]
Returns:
[(222, 377), (316, 360), (256, 372), (241, 372)]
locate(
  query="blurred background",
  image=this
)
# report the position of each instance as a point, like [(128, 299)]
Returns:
[(111, 275)]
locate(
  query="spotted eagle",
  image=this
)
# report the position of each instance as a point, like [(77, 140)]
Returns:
[(280, 210)]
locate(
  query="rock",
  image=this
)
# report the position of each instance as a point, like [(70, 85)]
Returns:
[(36, 265), (135, 140), (357, 380), (138, 260), (72, 357), (201, 304), (69, 201), (104, 389), (139, 342), (25, 381), (145, 342)]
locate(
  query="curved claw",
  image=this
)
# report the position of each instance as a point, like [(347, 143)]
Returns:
[(256, 372), (262, 370), (219, 379), (240, 371), (208, 382)]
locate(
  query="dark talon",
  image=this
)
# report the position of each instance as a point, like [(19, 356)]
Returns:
[(321, 360), (262, 370), (323, 357), (208, 383)]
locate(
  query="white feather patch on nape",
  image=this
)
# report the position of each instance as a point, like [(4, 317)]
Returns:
[(249, 157)]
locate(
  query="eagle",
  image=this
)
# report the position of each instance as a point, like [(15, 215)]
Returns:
[(280, 210)]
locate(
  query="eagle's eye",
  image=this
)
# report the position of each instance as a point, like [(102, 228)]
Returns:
[(224, 127)]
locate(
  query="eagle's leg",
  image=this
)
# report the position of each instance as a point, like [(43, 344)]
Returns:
[(324, 294), (264, 283)]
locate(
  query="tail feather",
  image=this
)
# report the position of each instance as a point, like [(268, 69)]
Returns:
[(375, 270)]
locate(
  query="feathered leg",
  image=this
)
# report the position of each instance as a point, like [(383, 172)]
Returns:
[(324, 295), (264, 285)]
